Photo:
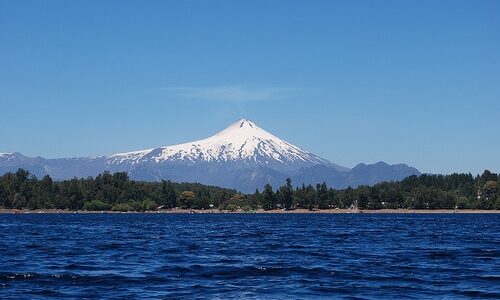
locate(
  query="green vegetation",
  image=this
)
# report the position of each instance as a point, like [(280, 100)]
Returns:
[(105, 192), (93, 205), (116, 192)]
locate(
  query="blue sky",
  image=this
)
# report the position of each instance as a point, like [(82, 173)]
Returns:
[(352, 81)]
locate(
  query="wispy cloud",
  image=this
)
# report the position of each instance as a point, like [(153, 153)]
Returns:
[(233, 93)]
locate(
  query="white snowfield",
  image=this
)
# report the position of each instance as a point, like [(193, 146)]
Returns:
[(242, 140), (6, 156)]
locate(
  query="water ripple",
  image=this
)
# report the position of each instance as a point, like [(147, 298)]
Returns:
[(235, 256)]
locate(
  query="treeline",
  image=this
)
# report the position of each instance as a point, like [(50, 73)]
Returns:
[(462, 191), (117, 192), (105, 192)]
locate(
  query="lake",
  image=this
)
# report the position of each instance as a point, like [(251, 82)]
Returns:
[(251, 256)]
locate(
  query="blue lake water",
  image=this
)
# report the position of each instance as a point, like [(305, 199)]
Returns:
[(271, 256)]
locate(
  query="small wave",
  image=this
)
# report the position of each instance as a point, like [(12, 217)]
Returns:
[(443, 254), (478, 293), (110, 246), (18, 276)]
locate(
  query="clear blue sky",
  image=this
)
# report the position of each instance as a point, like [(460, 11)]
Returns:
[(352, 81)]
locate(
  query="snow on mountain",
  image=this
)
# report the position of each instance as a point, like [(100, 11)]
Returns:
[(6, 154), (7, 157), (241, 141)]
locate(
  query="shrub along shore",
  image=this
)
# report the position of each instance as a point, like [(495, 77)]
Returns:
[(116, 192)]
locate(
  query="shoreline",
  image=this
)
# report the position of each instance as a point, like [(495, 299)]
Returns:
[(260, 211)]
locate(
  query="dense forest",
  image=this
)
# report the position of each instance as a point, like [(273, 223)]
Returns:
[(118, 193)]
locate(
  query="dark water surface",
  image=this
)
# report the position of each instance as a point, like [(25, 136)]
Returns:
[(259, 256)]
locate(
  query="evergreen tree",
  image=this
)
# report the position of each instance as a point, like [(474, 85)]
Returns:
[(256, 199), (268, 198), (286, 193), (310, 197), (168, 195), (322, 196)]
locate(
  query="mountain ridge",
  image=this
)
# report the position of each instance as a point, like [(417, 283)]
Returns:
[(243, 156)]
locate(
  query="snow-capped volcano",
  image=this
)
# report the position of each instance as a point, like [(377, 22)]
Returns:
[(242, 141), (243, 156)]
